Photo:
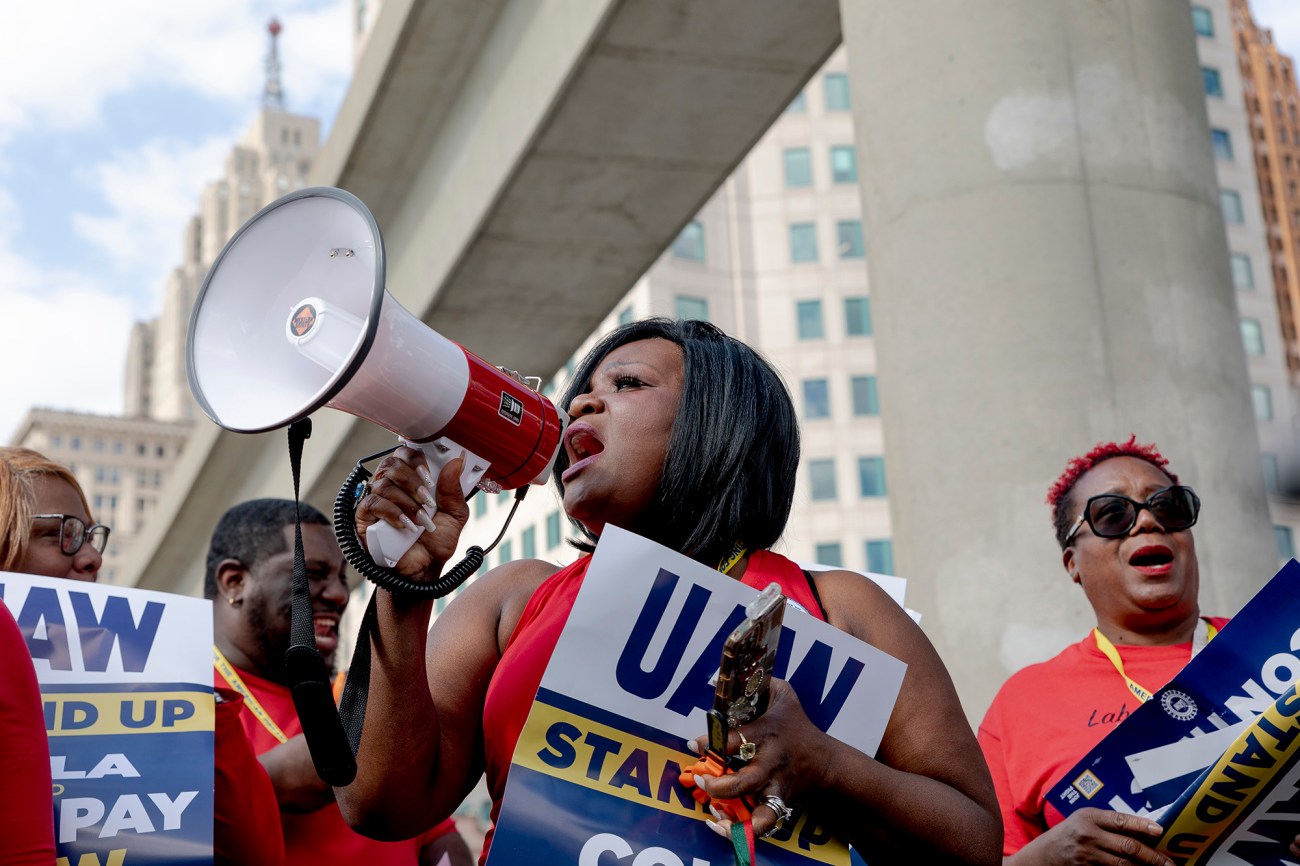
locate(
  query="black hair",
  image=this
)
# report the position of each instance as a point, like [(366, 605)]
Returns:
[(250, 532), (729, 475)]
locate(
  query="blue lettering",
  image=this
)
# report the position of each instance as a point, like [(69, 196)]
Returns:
[(147, 717), (600, 747), (670, 786), (78, 715), (176, 711), (635, 773), (117, 626), (560, 737), (809, 682), (631, 676), (41, 607), (695, 691)]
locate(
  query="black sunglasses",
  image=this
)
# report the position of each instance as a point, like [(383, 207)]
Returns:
[(73, 532), (1112, 515)]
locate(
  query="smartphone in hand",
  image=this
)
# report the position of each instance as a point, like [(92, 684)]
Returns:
[(745, 671)]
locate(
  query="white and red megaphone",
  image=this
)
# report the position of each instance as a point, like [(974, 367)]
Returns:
[(293, 316)]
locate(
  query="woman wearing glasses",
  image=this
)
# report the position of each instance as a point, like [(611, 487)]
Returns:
[(45, 522), (1124, 525)]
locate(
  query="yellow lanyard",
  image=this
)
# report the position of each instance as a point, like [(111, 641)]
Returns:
[(236, 682), (1204, 634), (733, 556)]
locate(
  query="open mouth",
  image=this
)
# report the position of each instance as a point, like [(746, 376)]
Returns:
[(583, 443), (583, 447), (1152, 559), (326, 628)]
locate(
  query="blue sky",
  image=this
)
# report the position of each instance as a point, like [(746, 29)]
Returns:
[(113, 116)]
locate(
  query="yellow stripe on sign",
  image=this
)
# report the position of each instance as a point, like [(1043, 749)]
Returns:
[(1235, 782), (69, 714), (600, 758)]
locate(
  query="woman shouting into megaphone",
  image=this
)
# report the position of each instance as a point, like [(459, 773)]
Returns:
[(688, 437)]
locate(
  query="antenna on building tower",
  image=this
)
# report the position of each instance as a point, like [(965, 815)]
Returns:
[(273, 95)]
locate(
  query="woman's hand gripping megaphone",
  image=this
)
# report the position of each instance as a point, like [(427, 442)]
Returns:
[(415, 508)]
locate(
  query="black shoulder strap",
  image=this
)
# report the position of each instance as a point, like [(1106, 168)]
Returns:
[(817, 596)]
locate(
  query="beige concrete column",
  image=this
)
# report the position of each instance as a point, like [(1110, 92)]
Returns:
[(1048, 269)]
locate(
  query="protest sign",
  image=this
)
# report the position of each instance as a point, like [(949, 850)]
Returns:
[(595, 772), (125, 678), (1213, 754)]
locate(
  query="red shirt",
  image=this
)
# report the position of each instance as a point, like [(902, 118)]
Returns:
[(246, 822), (27, 818), (322, 836), (1046, 717), (517, 676)]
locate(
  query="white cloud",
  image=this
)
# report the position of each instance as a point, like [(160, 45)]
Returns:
[(62, 338), (150, 192), (63, 58)]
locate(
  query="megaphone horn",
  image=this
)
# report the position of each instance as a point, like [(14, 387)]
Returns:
[(294, 316)]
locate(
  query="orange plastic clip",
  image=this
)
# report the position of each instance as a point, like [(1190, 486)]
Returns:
[(713, 765)]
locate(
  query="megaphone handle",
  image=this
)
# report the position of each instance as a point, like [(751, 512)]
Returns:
[(387, 544)]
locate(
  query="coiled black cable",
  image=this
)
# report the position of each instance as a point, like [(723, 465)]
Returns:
[(345, 508)]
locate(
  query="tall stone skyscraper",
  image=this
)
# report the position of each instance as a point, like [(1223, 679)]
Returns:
[(273, 157)]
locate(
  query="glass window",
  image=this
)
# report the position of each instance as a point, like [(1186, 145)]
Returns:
[(528, 543), (798, 167), (1252, 336), (689, 243), (844, 164), (1222, 143), (809, 316), (1285, 542), (1262, 397), (816, 399), (56, 441), (837, 91), (798, 105), (871, 476), (1268, 463), (625, 315), (821, 478), (880, 556), (504, 554), (865, 400), (1243, 276), (848, 236), (1213, 84), (857, 317), (98, 447), (829, 554), (1230, 202), (687, 307), (480, 504), (1203, 21), (75, 443), (803, 242), (553, 530)]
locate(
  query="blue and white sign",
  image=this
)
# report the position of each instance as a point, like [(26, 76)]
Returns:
[(595, 774), (126, 681), (1213, 755)]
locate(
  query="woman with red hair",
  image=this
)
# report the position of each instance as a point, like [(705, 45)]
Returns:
[(1124, 524)]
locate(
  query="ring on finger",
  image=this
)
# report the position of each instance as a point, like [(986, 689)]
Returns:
[(779, 808), (747, 749)]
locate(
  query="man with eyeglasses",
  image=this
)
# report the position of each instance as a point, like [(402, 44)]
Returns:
[(1124, 525)]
